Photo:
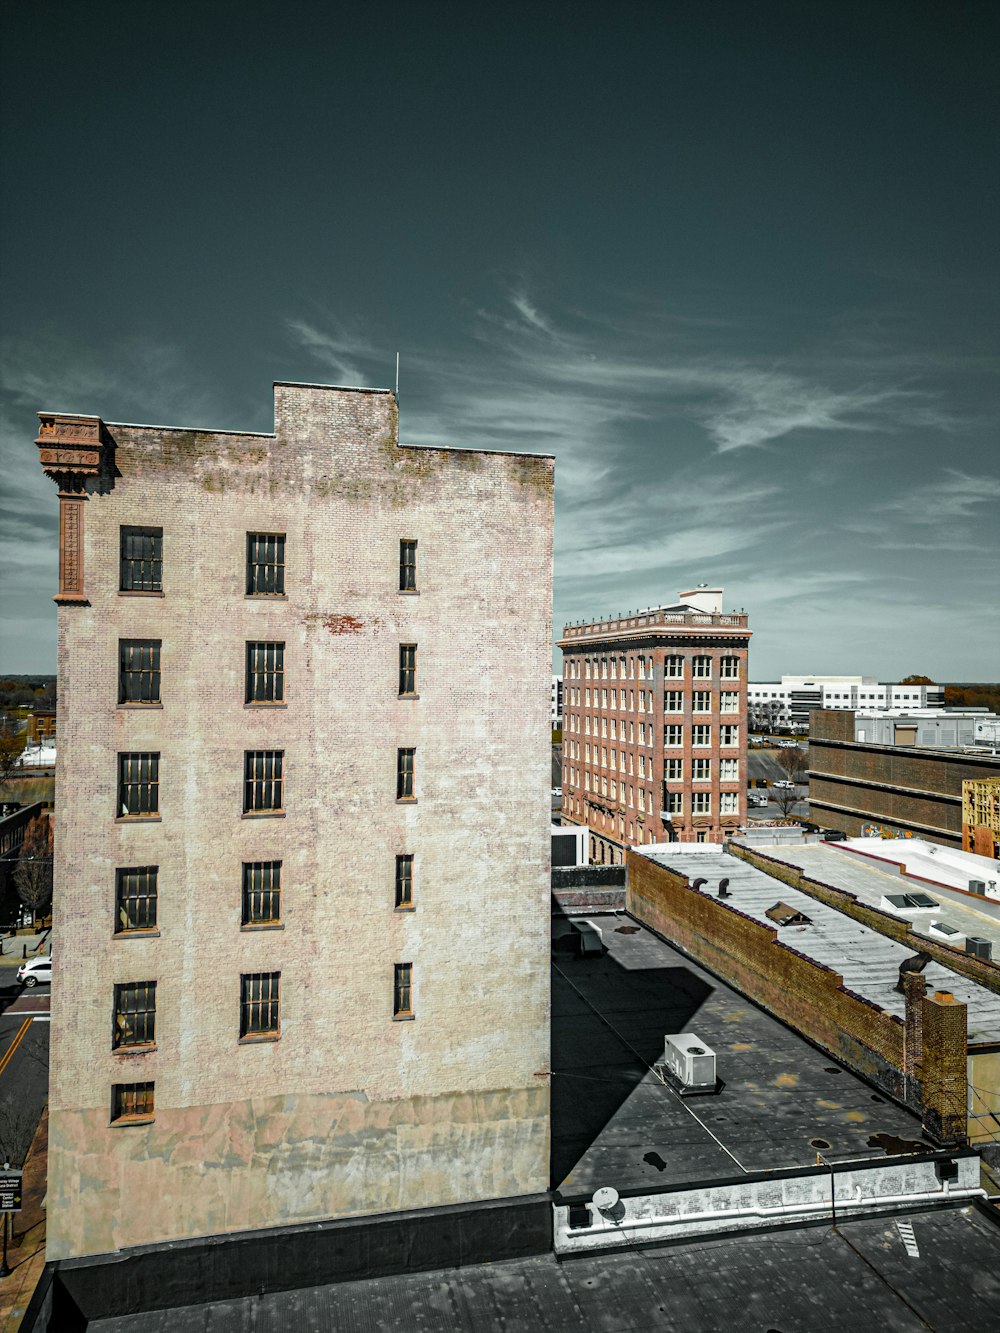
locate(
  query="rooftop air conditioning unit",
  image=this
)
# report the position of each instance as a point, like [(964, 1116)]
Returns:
[(591, 941), (690, 1062), (978, 886), (978, 947)]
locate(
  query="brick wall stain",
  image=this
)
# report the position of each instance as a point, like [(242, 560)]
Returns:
[(334, 481)]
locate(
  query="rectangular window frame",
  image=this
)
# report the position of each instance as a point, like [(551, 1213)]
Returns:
[(408, 671), (404, 883), (260, 905), (138, 788), (263, 783), (133, 1024), (139, 673), (408, 565), (264, 673), (402, 992), (260, 1006), (140, 561), (133, 1103), (406, 764), (265, 564), (138, 886)]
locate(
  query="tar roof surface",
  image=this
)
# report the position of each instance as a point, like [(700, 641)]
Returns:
[(868, 962), (615, 1123), (855, 1278)]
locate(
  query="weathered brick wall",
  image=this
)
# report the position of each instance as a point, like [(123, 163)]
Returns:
[(983, 972), (349, 1112), (803, 993)]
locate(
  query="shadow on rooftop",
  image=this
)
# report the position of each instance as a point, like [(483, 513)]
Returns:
[(608, 1025)]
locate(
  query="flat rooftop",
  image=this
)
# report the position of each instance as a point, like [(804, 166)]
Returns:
[(857, 1277), (615, 1123), (868, 868), (868, 962)]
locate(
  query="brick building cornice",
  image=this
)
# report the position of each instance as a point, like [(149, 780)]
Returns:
[(72, 451)]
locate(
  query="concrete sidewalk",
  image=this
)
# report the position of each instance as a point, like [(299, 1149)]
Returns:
[(26, 1246), (14, 947)]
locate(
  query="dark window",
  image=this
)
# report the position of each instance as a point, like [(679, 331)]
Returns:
[(138, 785), (404, 775), (402, 991), (265, 564), (407, 566), (138, 671), (265, 673), (135, 1014), (261, 892), (404, 880), (141, 560), (135, 898), (263, 780), (260, 1007), (131, 1102), (407, 668)]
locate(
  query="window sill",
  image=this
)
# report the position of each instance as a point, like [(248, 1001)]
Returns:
[(404, 910), (248, 927), (139, 819), (265, 596), (407, 696), (146, 1048), (256, 1038), (409, 592), (130, 1121), (406, 800), (263, 814), (136, 592), (403, 1018), (136, 935), (266, 703), (140, 707)]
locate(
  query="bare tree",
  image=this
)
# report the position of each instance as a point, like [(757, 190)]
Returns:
[(11, 748), (793, 761), (33, 879), (18, 1120), (785, 798)]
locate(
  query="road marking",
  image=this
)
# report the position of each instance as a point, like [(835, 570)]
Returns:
[(908, 1238), (18, 1037)]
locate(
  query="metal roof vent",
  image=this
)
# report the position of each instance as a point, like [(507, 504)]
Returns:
[(724, 888), (784, 915), (916, 963)]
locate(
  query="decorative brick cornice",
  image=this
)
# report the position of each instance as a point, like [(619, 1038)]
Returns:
[(70, 448)]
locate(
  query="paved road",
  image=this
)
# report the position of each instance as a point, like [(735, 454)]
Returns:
[(24, 1063)]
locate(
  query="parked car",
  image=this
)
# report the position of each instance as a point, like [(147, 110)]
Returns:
[(35, 972), (784, 786), (756, 798)]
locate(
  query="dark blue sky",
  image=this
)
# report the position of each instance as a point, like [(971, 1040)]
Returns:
[(736, 265)]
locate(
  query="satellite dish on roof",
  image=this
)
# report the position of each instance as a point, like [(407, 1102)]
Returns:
[(608, 1203)]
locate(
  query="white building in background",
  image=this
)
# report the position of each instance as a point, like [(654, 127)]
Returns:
[(793, 697), (556, 701), (935, 727)]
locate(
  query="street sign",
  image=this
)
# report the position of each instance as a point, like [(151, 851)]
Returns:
[(10, 1191)]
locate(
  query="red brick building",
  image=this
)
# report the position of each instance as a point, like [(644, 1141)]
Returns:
[(655, 723)]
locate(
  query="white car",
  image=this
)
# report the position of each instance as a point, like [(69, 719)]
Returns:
[(784, 786), (35, 972)]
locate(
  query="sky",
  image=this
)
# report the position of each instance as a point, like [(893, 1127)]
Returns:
[(735, 264)]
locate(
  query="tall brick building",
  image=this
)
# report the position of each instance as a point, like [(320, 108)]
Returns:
[(654, 724), (281, 996)]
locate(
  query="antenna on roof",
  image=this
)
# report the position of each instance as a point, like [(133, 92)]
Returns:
[(397, 377)]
